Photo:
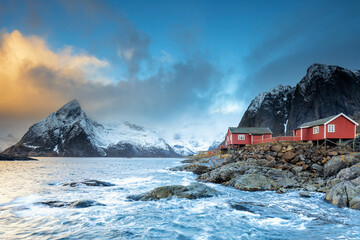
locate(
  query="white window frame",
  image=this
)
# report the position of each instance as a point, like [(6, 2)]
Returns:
[(331, 128), (241, 137), (316, 130)]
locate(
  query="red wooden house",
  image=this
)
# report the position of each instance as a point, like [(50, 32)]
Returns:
[(237, 136), (334, 127)]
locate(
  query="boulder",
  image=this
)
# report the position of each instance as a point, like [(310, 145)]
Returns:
[(333, 166), (304, 194), (252, 182), (192, 191), (289, 155), (270, 163), (289, 148), (317, 168), (74, 204), (276, 148), (269, 158), (342, 193), (349, 173), (355, 203), (297, 170), (332, 153), (93, 183)]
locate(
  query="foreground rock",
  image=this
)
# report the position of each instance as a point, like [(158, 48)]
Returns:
[(282, 166), (7, 157), (73, 204), (92, 183), (192, 191)]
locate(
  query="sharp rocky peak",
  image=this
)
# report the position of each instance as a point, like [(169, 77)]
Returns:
[(70, 110)]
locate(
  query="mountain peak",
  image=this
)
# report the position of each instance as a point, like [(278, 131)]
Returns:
[(70, 110)]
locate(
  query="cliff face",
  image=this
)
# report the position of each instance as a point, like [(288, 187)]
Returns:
[(69, 132), (324, 91)]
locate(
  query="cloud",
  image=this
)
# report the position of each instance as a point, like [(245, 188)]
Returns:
[(32, 76), (37, 80), (322, 34)]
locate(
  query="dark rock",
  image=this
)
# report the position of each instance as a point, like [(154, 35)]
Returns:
[(74, 204), (304, 194), (333, 166), (289, 155), (343, 193), (93, 183), (349, 173), (333, 85), (192, 191), (276, 148), (7, 157)]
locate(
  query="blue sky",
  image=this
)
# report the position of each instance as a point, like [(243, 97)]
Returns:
[(180, 67)]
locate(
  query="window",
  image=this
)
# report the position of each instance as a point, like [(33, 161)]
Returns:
[(331, 128), (241, 137), (316, 130)]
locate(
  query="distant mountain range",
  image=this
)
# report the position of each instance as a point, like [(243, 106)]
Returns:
[(325, 90), (69, 132)]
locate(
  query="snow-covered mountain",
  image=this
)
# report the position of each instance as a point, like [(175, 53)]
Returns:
[(69, 132), (325, 90), (192, 145)]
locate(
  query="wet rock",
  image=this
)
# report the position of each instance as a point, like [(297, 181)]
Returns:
[(74, 204), (304, 194), (349, 173), (355, 203), (297, 170), (342, 193), (252, 182), (192, 191), (317, 167), (241, 207), (94, 183), (333, 166), (85, 204)]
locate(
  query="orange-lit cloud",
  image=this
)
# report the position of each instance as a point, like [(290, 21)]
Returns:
[(33, 77)]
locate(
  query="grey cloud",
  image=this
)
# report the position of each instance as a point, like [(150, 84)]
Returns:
[(324, 34)]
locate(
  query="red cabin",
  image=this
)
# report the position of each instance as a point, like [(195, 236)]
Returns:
[(334, 127), (245, 135)]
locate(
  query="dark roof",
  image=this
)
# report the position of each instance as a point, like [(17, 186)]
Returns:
[(250, 130), (317, 122)]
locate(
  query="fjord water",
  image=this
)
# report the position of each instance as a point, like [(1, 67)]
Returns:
[(233, 214)]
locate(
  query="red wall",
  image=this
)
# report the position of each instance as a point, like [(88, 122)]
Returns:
[(344, 128), (267, 135)]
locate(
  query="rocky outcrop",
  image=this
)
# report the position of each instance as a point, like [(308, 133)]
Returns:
[(73, 204), (92, 183), (283, 166), (69, 132), (324, 91), (192, 191), (7, 157)]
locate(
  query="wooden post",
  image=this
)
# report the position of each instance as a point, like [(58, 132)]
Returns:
[(353, 145), (340, 144), (325, 144), (317, 143)]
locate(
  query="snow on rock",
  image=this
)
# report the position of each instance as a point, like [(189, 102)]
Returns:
[(69, 132)]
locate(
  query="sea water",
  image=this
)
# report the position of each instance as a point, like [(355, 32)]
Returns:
[(233, 214)]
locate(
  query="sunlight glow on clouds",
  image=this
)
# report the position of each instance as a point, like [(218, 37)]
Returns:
[(23, 56)]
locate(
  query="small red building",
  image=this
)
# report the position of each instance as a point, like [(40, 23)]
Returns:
[(237, 136), (334, 127)]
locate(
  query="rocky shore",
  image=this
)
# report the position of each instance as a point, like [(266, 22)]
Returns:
[(7, 157), (284, 166)]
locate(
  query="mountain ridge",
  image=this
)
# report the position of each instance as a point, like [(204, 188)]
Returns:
[(325, 90), (69, 132)]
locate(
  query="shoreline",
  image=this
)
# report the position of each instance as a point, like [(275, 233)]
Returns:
[(284, 166)]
